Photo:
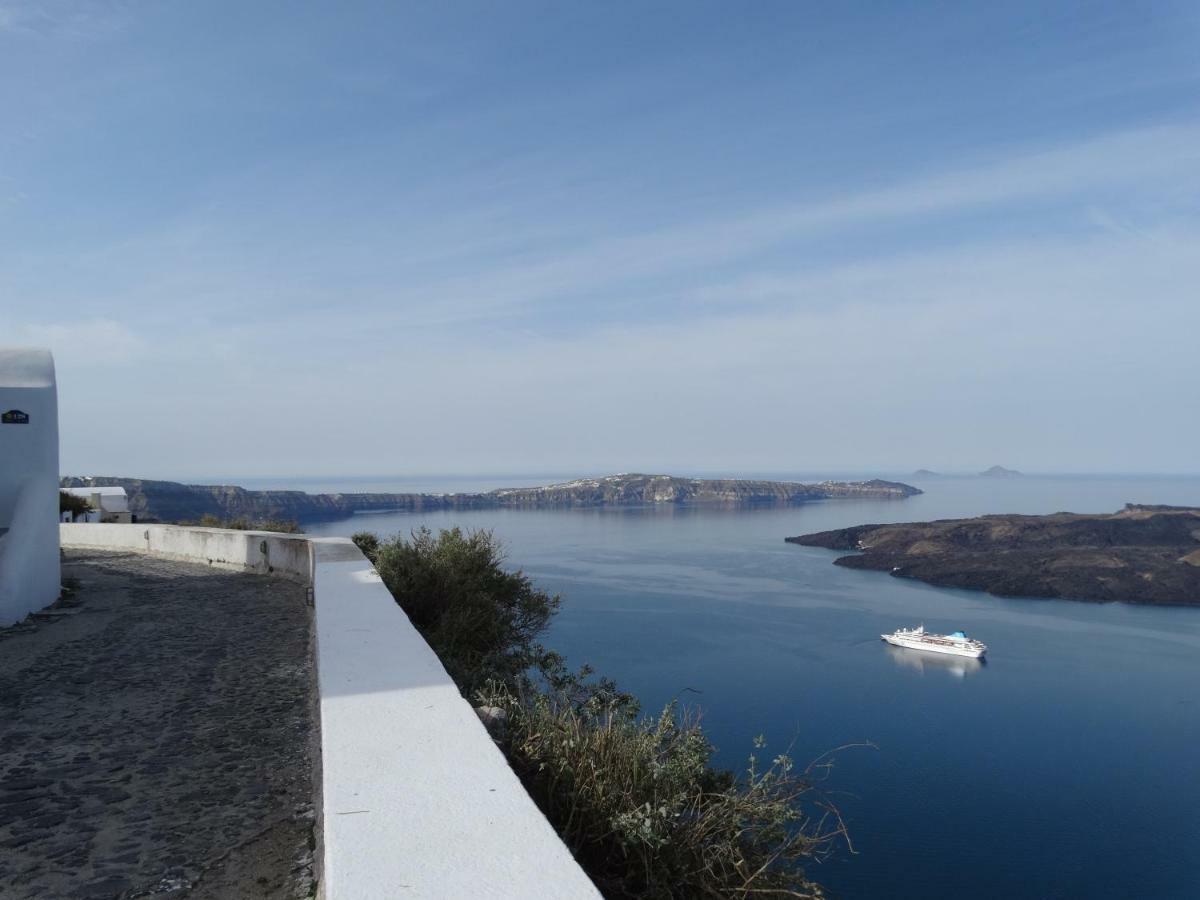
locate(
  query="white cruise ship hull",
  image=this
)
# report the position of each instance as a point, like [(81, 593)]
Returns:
[(934, 645)]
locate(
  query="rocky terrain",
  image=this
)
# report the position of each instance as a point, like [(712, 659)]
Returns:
[(170, 501), (1142, 554)]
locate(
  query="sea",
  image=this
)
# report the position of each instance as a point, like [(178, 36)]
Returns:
[(1066, 765)]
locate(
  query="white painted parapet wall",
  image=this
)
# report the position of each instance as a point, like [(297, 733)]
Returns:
[(29, 561), (415, 799), (264, 552)]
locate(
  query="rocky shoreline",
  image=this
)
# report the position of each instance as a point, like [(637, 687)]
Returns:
[(1142, 554), (170, 501)]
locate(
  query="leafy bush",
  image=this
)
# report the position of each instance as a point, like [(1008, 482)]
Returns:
[(480, 620), (641, 808), (635, 798), (75, 505), (368, 543)]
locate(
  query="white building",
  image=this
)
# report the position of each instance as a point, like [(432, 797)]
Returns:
[(30, 572), (109, 504)]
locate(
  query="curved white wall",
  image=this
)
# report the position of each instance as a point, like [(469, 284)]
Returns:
[(29, 560)]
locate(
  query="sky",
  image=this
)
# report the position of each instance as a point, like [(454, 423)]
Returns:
[(286, 239)]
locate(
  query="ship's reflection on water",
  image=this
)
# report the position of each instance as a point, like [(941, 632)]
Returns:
[(923, 662)]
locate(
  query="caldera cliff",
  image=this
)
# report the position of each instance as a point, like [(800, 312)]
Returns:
[(170, 501), (1142, 554)]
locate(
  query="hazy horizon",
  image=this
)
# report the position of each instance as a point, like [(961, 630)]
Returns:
[(266, 239), (533, 479)]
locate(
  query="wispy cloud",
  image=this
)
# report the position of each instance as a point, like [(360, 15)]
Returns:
[(95, 342), (69, 19), (1152, 161), (447, 273), (595, 271)]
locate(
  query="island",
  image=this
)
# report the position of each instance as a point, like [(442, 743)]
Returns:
[(1141, 554), (170, 501), (999, 472)]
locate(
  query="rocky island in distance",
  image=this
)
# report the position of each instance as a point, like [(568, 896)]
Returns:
[(999, 472), (170, 501), (993, 472), (1142, 554)]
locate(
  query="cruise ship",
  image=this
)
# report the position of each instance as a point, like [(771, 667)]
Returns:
[(956, 644)]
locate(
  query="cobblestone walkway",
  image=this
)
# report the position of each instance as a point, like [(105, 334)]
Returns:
[(154, 736)]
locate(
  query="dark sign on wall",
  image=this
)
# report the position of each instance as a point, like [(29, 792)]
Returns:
[(14, 417)]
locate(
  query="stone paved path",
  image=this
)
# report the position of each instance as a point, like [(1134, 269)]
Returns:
[(155, 736)]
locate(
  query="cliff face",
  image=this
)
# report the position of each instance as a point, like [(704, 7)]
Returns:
[(638, 490), (170, 501), (1142, 554)]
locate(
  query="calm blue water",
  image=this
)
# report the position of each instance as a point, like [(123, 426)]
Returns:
[(1064, 767)]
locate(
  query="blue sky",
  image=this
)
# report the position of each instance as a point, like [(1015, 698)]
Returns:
[(283, 239)]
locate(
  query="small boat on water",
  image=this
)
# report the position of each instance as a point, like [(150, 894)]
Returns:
[(956, 644)]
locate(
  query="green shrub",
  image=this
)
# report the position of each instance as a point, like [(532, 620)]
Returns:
[(480, 620), (368, 543), (635, 798), (639, 805), (75, 505)]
